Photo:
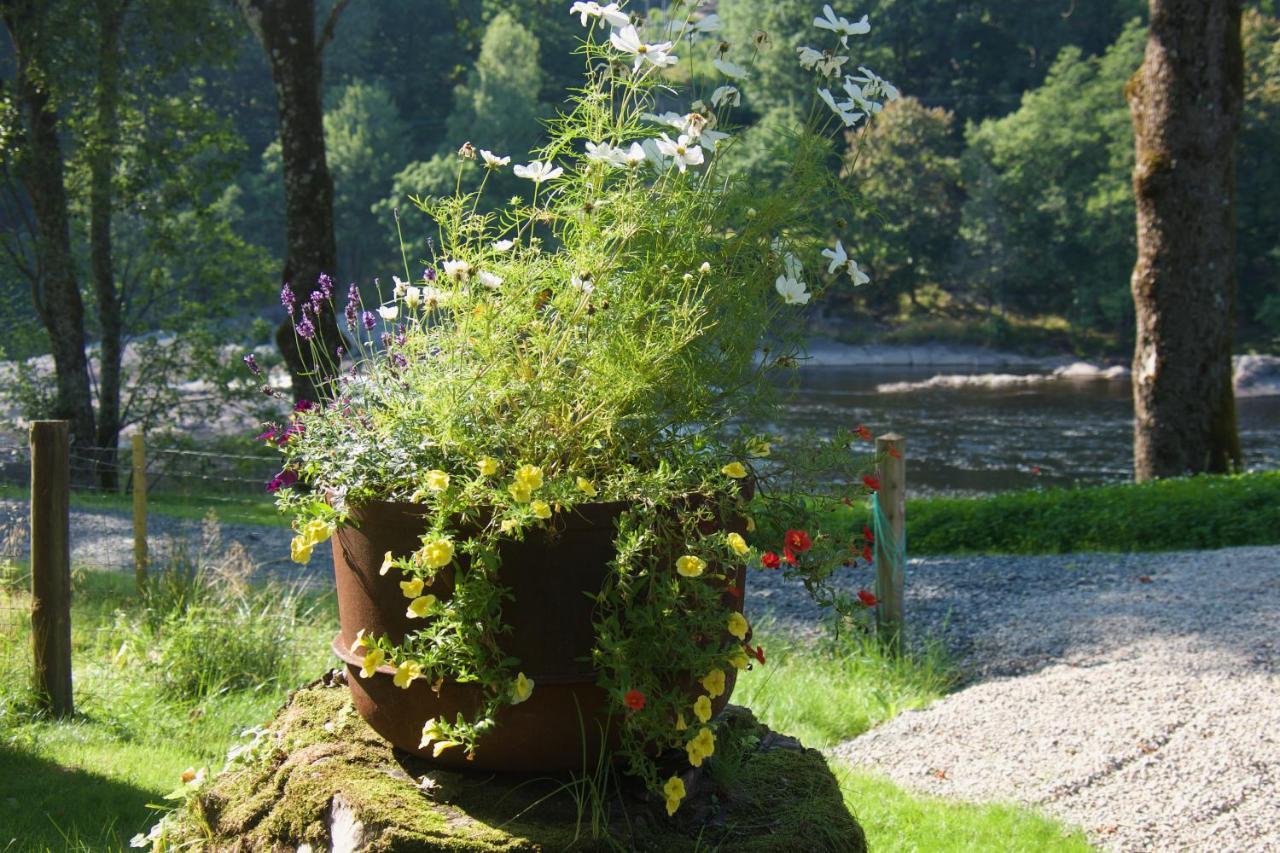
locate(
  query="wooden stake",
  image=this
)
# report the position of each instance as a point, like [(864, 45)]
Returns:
[(892, 468), (139, 480), (51, 564)]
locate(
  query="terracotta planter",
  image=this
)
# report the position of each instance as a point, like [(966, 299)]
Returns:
[(559, 726)]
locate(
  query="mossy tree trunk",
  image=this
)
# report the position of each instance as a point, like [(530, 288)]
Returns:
[(1185, 103)]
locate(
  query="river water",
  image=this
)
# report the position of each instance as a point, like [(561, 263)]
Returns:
[(992, 434)]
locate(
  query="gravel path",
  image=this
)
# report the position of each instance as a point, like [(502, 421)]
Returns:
[(1137, 696)]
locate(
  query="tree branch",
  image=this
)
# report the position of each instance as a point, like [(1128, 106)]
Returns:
[(331, 24)]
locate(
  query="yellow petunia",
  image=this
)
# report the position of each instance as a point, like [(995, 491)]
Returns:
[(300, 549), (681, 725), (488, 466), (702, 746), (317, 531), (758, 447), (521, 689), (431, 731), (387, 562), (406, 673), (691, 566), (419, 606), (437, 553), (437, 481), (372, 661), (529, 476), (702, 709), (673, 793), (359, 642), (587, 487), (737, 544), (441, 746), (751, 524), (713, 682), (520, 493), (412, 588), (738, 625), (739, 660), (541, 509), (508, 525), (736, 470)]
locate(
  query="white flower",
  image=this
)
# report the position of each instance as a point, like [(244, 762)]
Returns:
[(628, 41), (694, 125), (726, 95), (858, 276), (730, 69), (791, 290), (838, 256), (809, 57), (844, 110), (537, 171), (610, 14), (825, 63), (412, 298), (708, 24), (457, 269), (434, 296), (683, 151), (859, 99), (606, 153), (875, 85), (397, 292), (634, 155), (493, 161), (654, 155), (503, 245), (841, 26), (705, 268), (388, 312), (582, 283), (490, 280), (791, 266)]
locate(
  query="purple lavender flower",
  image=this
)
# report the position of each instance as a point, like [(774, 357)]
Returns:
[(252, 364), (386, 340), (369, 320), (305, 329), (429, 274), (353, 299), (287, 299), (401, 337), (399, 360), (268, 390), (326, 285), (340, 352)]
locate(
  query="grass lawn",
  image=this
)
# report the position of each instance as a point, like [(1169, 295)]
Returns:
[(230, 509)]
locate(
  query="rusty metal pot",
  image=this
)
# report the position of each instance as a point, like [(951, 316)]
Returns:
[(550, 575)]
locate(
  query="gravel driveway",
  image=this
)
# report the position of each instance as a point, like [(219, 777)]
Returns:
[(1137, 696)]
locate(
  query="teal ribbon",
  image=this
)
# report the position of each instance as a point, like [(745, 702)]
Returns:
[(896, 548)]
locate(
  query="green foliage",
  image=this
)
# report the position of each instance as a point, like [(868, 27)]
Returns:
[(1257, 214), (1166, 515)]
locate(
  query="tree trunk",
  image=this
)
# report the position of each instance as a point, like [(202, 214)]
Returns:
[(287, 31), (102, 158), (58, 296), (1185, 102)]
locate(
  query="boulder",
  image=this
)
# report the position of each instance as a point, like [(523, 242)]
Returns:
[(318, 778)]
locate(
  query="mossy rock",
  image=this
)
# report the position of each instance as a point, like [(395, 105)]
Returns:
[(320, 778)]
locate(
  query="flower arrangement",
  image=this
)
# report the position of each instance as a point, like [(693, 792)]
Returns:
[(611, 338)]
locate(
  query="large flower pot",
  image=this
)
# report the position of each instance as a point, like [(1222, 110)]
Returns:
[(549, 575)]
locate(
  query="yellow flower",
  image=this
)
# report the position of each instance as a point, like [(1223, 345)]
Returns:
[(417, 496), (751, 524), (431, 731), (673, 793), (437, 481), (738, 660), (702, 746), (738, 625), (758, 447), (300, 550), (406, 673), (419, 606), (713, 682), (437, 553), (441, 746), (738, 544), (411, 588), (520, 493), (521, 689), (691, 566), (736, 470), (316, 531), (508, 525), (488, 466), (681, 725), (702, 709), (359, 642), (387, 562), (587, 487), (371, 662), (541, 509), (529, 476)]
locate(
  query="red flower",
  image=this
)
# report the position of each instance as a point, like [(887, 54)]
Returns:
[(797, 540), (758, 654), (868, 535), (895, 452), (1035, 469), (864, 433), (634, 700), (871, 481), (867, 598), (789, 556), (866, 552), (733, 590), (770, 560)]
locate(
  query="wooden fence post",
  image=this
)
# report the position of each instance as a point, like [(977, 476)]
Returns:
[(139, 483), (51, 564), (890, 453)]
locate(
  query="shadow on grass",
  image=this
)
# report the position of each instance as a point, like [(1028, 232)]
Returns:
[(45, 806)]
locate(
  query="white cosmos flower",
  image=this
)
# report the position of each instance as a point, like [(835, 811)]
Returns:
[(457, 269), (412, 298), (844, 109), (610, 14), (503, 245), (825, 63), (582, 283), (859, 99), (388, 312), (838, 257), (730, 69), (858, 276), (791, 266), (490, 280), (397, 292), (493, 161), (841, 26), (694, 125), (628, 41), (684, 151), (537, 171), (604, 153), (653, 154), (809, 57), (634, 156), (435, 296), (726, 95), (791, 290), (875, 85)]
